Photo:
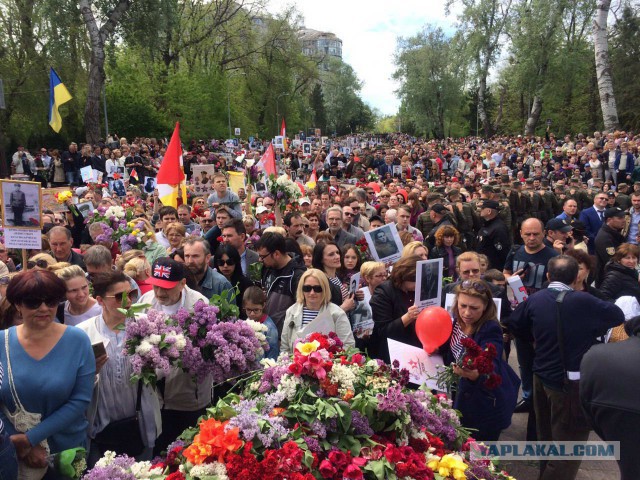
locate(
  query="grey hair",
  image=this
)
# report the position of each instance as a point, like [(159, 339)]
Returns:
[(97, 255)]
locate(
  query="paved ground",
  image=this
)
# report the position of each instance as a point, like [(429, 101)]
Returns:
[(528, 470)]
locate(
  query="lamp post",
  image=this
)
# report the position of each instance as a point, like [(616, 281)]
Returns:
[(278, 111), (229, 99), (106, 119)]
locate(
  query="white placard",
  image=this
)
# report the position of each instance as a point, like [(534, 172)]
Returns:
[(278, 141), (428, 283), (384, 243), (420, 364), (514, 283), (397, 170), (236, 132), (29, 238), (323, 323), (87, 174), (450, 297), (306, 149)]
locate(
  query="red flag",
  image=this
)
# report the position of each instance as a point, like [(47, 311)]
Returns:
[(133, 173), (268, 161), (170, 179), (283, 128)]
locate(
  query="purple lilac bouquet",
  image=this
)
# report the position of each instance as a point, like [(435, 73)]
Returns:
[(118, 225), (222, 349), (153, 342)]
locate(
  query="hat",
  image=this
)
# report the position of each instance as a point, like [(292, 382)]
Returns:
[(587, 165), (491, 204), (611, 194), (304, 200), (454, 179), (579, 226), (614, 212), (517, 184), (261, 209), (166, 273), (439, 208), (557, 224)]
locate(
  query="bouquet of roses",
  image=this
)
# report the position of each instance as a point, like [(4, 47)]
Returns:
[(154, 343), (473, 358), (284, 190), (222, 349), (363, 249)]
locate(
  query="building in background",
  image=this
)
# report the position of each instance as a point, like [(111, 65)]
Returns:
[(320, 45)]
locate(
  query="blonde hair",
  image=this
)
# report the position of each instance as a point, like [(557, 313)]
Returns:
[(123, 259), (44, 256), (368, 268), (279, 230), (66, 271), (411, 247), (137, 266), (178, 227), (322, 279)]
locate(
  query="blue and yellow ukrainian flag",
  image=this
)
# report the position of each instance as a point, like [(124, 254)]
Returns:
[(58, 94)]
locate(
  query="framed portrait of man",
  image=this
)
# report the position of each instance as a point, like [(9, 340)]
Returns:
[(21, 204), (384, 243), (428, 282)]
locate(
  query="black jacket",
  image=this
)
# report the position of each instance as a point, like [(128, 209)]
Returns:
[(281, 287), (606, 242), (620, 281), (611, 405), (388, 305), (441, 252), (494, 241)]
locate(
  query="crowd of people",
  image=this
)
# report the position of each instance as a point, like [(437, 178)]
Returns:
[(561, 214)]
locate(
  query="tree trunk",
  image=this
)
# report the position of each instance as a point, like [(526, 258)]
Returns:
[(603, 67), (482, 90), (503, 96), (534, 117), (98, 37)]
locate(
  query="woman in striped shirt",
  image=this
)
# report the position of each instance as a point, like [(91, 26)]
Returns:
[(313, 300)]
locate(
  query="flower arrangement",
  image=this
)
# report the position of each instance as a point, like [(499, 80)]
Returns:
[(372, 177), (64, 198), (284, 190), (473, 358), (363, 249), (119, 225), (324, 413), (152, 342), (69, 463)]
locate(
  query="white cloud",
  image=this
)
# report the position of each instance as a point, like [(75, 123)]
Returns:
[(369, 31)]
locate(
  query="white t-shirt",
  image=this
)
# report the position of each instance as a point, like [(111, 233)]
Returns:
[(73, 320)]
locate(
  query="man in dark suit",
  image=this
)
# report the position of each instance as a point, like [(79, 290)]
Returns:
[(18, 202), (593, 218), (385, 246), (235, 234), (429, 284)]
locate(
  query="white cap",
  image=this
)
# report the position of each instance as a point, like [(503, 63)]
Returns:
[(261, 209), (304, 200)]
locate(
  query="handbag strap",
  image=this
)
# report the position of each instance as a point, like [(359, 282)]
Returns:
[(559, 300), (139, 397), (12, 386)]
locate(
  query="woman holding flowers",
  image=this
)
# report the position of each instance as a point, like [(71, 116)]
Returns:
[(488, 388), (115, 398), (313, 300)]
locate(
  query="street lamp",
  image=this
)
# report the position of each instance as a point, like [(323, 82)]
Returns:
[(278, 112), (229, 99)]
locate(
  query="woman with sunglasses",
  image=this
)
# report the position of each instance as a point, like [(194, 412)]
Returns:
[(313, 300), (487, 409), (80, 305), (114, 396), (227, 262), (49, 369), (40, 261), (327, 258)]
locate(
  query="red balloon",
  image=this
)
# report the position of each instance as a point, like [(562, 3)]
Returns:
[(433, 327)]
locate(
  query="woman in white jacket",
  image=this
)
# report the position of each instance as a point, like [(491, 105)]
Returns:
[(314, 302)]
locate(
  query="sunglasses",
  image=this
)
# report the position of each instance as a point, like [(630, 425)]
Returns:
[(34, 303), (315, 288), (475, 271), (132, 295), (470, 284), (5, 280), (38, 263), (229, 262), (349, 214)]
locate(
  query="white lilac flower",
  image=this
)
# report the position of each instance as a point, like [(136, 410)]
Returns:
[(154, 339), (107, 459), (344, 376), (180, 342), (142, 470), (289, 386), (144, 348), (208, 470)]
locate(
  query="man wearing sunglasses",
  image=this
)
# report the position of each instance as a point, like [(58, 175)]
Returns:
[(184, 400)]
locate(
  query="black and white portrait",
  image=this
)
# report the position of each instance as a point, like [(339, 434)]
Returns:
[(384, 243), (118, 188), (85, 208), (428, 282), (21, 204), (149, 184)]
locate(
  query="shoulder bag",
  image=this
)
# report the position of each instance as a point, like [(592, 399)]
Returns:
[(574, 418), (123, 436), (22, 421)]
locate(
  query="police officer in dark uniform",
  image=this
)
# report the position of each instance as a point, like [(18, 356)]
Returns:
[(609, 238), (493, 237)]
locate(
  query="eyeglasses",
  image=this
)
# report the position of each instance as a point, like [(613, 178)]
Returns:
[(470, 284), (262, 257), (132, 294), (349, 214), (355, 208), (253, 310), (229, 261), (35, 303), (38, 263), (385, 196), (474, 271), (315, 288), (5, 280)]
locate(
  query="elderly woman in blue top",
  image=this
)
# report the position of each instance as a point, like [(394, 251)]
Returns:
[(32, 357)]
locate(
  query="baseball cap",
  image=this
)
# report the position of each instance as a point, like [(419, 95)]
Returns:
[(166, 273), (614, 212), (261, 209), (491, 204), (557, 224), (304, 200), (439, 208)]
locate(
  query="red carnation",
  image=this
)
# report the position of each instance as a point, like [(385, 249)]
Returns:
[(338, 458), (176, 476), (326, 469), (494, 381), (491, 350), (353, 472), (484, 365)]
